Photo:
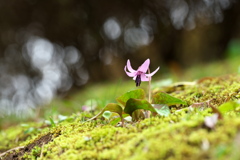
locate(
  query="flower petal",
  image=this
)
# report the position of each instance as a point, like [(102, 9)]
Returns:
[(151, 74), (129, 67), (144, 78), (130, 74), (144, 67)]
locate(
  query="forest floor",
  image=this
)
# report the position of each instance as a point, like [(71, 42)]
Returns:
[(205, 126)]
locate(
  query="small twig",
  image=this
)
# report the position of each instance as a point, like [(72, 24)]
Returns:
[(2, 154), (215, 110)]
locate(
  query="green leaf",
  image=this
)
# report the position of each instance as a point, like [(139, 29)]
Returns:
[(164, 98), (228, 106), (162, 110), (53, 124), (134, 104), (116, 120), (137, 94), (107, 114), (112, 107), (30, 130)]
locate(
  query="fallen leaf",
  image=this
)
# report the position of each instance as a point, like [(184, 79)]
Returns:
[(211, 121)]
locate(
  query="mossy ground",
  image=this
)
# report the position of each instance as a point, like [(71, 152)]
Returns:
[(181, 135)]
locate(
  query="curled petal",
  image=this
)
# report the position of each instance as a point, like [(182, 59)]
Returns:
[(130, 74), (151, 74), (144, 67), (144, 77), (129, 67)]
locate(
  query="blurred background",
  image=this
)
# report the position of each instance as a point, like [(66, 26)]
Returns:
[(52, 48)]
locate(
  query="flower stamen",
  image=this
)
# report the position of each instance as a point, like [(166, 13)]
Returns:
[(138, 80)]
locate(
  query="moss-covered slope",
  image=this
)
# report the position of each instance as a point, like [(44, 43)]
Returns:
[(181, 135)]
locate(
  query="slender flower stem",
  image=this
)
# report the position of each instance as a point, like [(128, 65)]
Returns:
[(149, 87), (147, 113)]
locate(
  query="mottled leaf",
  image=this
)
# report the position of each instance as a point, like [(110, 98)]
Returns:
[(164, 98), (134, 104), (136, 94)]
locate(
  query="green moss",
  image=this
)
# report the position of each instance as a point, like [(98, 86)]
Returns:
[(153, 138), (218, 90), (18, 135)]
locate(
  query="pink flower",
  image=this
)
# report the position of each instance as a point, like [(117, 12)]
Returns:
[(139, 74)]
